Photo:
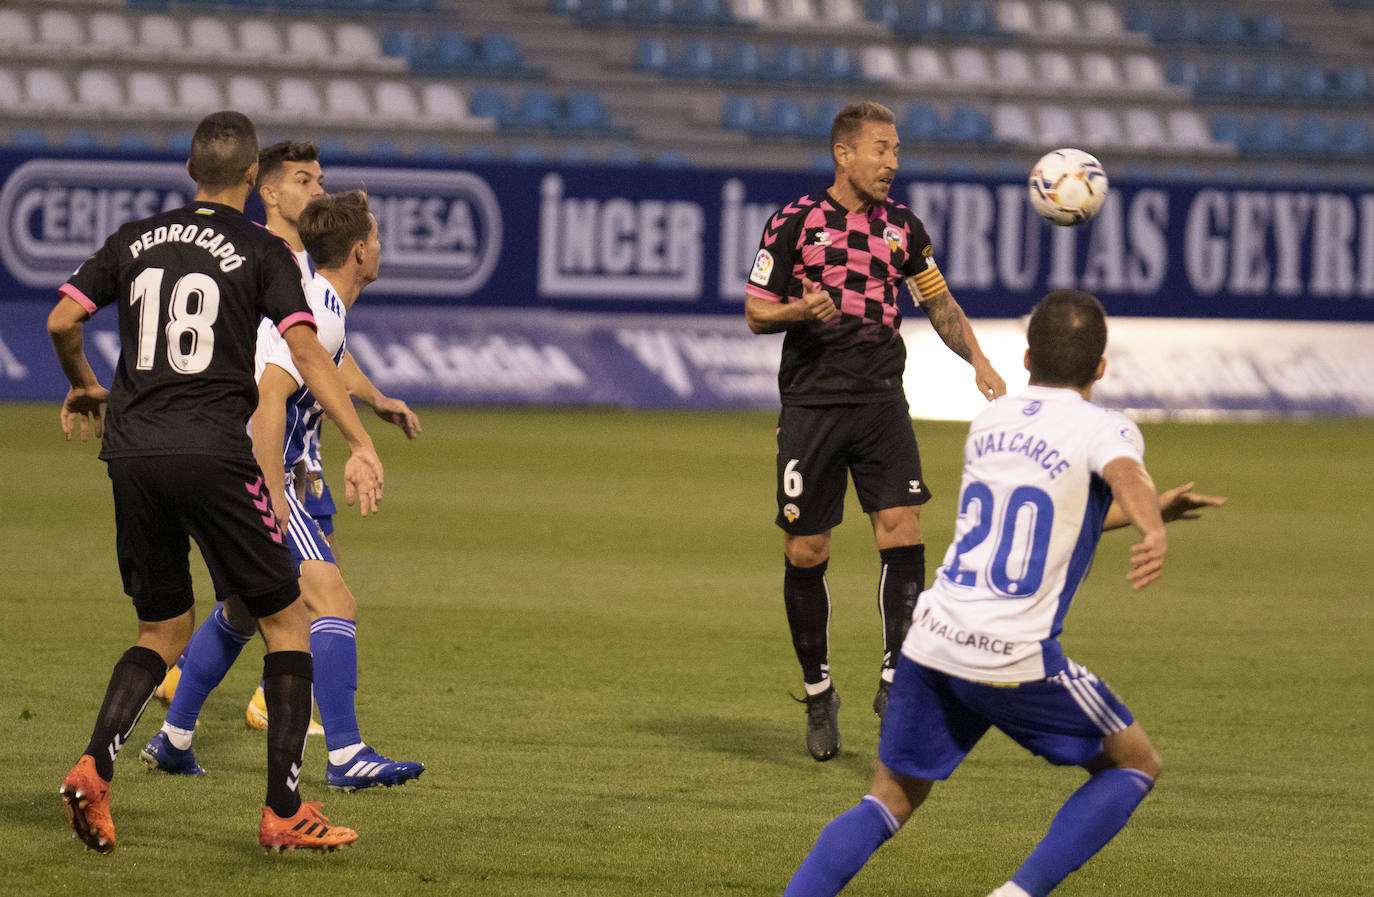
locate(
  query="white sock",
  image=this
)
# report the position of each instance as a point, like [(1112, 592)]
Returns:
[(887, 675), (180, 738), (342, 755), (815, 688), (1010, 889)]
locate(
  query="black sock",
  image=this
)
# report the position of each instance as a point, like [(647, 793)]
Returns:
[(286, 680), (902, 581), (135, 676), (807, 599)]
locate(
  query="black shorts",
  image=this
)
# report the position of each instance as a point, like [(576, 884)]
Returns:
[(817, 445), (162, 502)]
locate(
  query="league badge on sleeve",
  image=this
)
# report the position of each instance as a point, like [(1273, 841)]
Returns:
[(763, 268)]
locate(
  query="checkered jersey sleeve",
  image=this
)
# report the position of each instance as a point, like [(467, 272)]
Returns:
[(921, 255), (779, 252), (95, 284)]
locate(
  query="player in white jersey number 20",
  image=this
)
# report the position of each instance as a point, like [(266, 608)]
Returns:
[(1045, 472)]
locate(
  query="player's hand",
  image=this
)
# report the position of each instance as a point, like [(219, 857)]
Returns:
[(1147, 559), (1180, 504), (280, 507), (990, 383), (398, 413), (86, 405), (819, 305), (363, 480)]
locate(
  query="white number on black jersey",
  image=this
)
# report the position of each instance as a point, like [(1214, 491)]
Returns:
[(190, 334)]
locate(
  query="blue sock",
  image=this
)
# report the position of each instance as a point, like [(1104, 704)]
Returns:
[(213, 648), (1088, 820), (842, 849), (334, 646)]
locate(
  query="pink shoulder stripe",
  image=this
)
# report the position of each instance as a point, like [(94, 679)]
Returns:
[(760, 293), (300, 317), (78, 297)]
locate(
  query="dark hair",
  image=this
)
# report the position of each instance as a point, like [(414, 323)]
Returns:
[(331, 224), (1067, 336), (851, 119), (274, 158), (223, 148)]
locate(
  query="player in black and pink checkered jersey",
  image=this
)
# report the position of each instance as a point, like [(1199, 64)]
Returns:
[(827, 273)]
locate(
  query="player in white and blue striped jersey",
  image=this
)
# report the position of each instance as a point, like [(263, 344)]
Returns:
[(1045, 472), (341, 235)]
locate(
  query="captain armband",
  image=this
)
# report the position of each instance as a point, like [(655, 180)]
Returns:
[(928, 284)]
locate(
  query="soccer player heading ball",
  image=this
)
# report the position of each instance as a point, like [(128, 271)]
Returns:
[(827, 272)]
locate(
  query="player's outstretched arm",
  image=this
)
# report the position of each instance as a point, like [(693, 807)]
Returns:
[(1178, 503), (393, 411), (363, 470), (85, 401), (952, 325), (1135, 496), (269, 432)]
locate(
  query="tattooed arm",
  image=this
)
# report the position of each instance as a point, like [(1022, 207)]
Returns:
[(954, 328)]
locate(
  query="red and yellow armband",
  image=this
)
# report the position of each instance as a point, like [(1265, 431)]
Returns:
[(928, 284)]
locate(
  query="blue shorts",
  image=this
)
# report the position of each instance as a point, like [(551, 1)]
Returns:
[(933, 719), (304, 536)]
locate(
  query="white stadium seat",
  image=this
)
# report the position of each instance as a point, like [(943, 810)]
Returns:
[(841, 12), (969, 65), (60, 29), (1015, 17), (1057, 127), (259, 38), (198, 94), (249, 95), (11, 94), (299, 96), (347, 100), (1103, 20), (1143, 129), (795, 12), (1143, 73), (397, 102), (1057, 17), (99, 90), (1187, 130), (444, 103), (1101, 128), (1056, 70), (111, 32), (150, 92), (355, 42), (1100, 71), (880, 63), (211, 37), (1012, 123), (46, 89), (16, 29), (1013, 67), (751, 10), (160, 35), (927, 65), (308, 41)]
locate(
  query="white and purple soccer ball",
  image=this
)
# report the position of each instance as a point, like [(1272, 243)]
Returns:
[(1067, 186)]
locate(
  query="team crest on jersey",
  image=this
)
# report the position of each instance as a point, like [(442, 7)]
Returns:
[(1132, 435), (893, 236), (763, 268), (1032, 408), (820, 237), (791, 512)]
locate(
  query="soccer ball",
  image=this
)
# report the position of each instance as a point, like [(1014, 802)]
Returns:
[(1067, 186)]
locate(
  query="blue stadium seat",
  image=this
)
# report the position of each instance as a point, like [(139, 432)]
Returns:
[(77, 139), (1267, 135), (745, 63), (1182, 26), (1183, 72), (565, 7), (789, 63), (649, 12), (333, 147), (705, 12), (1270, 80), (527, 154), (823, 116), (179, 142), (624, 155), (1353, 138), (1223, 78), (490, 102), (132, 142), (738, 113), (452, 52), (1226, 29), (670, 159), (1352, 84), (498, 52), (920, 122), (433, 150), (1266, 30), (651, 55), (537, 110), (602, 12), (920, 18), (587, 113), (840, 65), (695, 60), (1141, 19), (785, 118), (1310, 83), (1313, 137), (401, 43), (1226, 127), (971, 19), (384, 149), (884, 12), (968, 125)]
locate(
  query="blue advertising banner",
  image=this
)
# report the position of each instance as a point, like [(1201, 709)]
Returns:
[(613, 239)]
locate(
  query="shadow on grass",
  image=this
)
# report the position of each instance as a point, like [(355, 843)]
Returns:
[(748, 739)]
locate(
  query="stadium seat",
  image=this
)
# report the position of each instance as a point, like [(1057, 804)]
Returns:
[(444, 103), (1353, 139), (1267, 30), (16, 29), (308, 42), (1057, 126), (1269, 81), (844, 13), (968, 125), (1183, 25), (1183, 73), (81, 139), (926, 65), (110, 32), (751, 11), (133, 142), (211, 37), (587, 113), (11, 94), (298, 97), (248, 95), (384, 148), (670, 159), (396, 101), (970, 19), (1312, 137), (46, 89), (1101, 128), (921, 122), (1102, 21), (823, 117), (745, 63), (649, 12), (1100, 72), (150, 93), (882, 12), (839, 65), (59, 30), (356, 43), (99, 90), (1013, 67), (1143, 73), (346, 100), (651, 54), (969, 66), (1058, 18), (260, 39), (795, 13), (880, 63), (402, 43), (1352, 84), (198, 94), (1266, 135), (1140, 19), (491, 103), (1223, 78), (537, 110), (1015, 17), (1056, 70), (1225, 29), (1226, 128), (160, 36), (696, 59), (30, 139), (1188, 131), (602, 12), (498, 52), (920, 20), (1144, 129), (1309, 83), (785, 117), (452, 53), (790, 63), (738, 113)]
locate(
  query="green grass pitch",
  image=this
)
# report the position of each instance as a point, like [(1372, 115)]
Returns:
[(574, 618)]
